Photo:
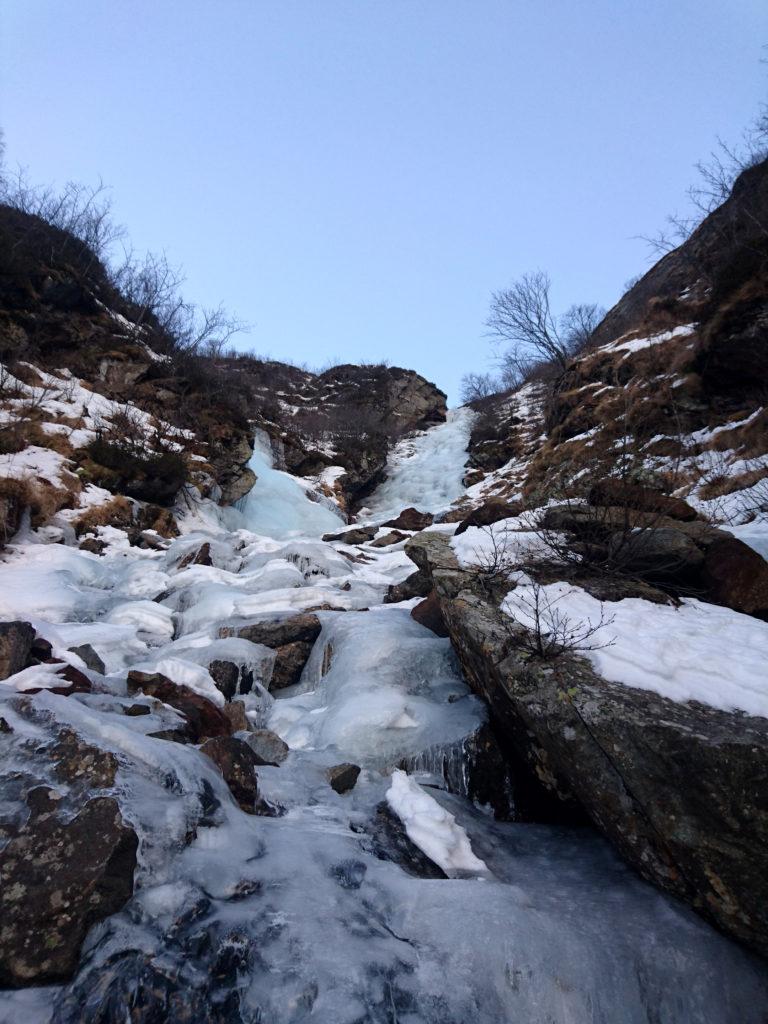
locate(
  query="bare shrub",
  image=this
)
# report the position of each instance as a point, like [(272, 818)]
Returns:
[(552, 632), (475, 386)]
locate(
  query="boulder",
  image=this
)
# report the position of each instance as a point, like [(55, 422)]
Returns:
[(357, 535), (226, 675), (235, 712), (90, 657), (278, 632), (16, 639), (492, 511), (58, 877), (665, 554), (291, 639), (736, 576), (411, 519), (621, 494), (343, 777), (393, 537), (427, 613), (237, 763), (203, 718), (418, 584), (267, 746), (290, 660)]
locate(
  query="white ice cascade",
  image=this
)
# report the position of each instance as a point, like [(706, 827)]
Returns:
[(425, 469)]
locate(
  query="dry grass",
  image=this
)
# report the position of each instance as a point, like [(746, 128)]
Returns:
[(41, 497), (118, 512)]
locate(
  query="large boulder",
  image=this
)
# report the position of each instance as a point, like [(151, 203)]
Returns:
[(277, 632), (58, 877), (290, 660), (679, 789), (736, 576)]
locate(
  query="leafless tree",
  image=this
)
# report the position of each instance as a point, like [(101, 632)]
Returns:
[(521, 317), (477, 385)]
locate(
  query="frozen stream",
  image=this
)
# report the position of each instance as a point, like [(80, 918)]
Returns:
[(424, 470), (323, 914)]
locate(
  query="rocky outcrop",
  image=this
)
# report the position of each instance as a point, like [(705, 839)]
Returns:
[(679, 789), (57, 878), (16, 639)]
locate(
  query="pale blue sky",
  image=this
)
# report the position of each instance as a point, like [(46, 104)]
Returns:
[(354, 177)]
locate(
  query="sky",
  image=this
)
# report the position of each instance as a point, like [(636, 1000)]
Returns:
[(353, 178)]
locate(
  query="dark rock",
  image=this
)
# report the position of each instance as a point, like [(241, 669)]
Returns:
[(289, 664), (357, 535), (431, 551), (16, 639), (664, 554), (226, 675), (478, 768), (137, 710), (411, 519), (427, 613), (278, 632), (736, 576), (42, 651), (493, 511), (58, 878), (235, 712), (204, 719), (237, 763), (343, 777), (621, 494), (418, 584), (389, 841), (202, 556), (394, 537), (267, 746), (90, 657)]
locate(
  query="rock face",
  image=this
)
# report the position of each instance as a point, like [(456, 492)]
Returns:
[(679, 789), (58, 878)]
